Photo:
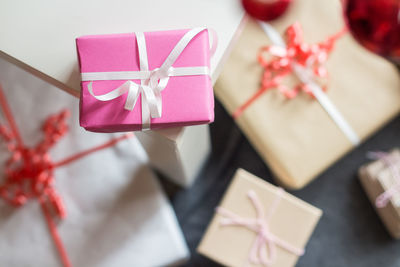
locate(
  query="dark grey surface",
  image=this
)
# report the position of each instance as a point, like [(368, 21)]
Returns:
[(349, 233)]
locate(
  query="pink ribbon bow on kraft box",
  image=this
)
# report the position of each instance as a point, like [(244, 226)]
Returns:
[(139, 81)]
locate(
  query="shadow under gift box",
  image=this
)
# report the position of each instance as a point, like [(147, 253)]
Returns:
[(186, 100), (297, 138)]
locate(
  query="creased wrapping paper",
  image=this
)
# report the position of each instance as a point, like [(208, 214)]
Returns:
[(297, 138), (117, 213), (376, 178), (292, 221)]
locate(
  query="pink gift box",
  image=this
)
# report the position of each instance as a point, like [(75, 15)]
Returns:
[(186, 100)]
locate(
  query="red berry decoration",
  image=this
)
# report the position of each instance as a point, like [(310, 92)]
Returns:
[(376, 25), (265, 9)]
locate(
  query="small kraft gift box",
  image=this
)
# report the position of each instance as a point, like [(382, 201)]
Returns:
[(138, 81), (258, 224), (381, 181), (343, 95)]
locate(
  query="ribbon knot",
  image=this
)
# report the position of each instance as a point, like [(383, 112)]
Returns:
[(158, 74), (307, 63), (265, 239), (291, 56), (299, 57), (29, 171)]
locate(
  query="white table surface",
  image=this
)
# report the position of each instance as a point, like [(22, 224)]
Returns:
[(40, 35)]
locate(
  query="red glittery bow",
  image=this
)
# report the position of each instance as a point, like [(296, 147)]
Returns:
[(279, 62), (29, 172)]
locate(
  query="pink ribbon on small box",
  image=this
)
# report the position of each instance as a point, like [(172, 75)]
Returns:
[(265, 240), (394, 166)]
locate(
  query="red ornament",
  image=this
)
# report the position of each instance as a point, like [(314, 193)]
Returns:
[(376, 25), (265, 9)]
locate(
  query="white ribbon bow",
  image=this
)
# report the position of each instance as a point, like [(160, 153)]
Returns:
[(152, 81)]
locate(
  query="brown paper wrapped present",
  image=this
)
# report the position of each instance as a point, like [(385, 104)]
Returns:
[(296, 137), (381, 182), (254, 223)]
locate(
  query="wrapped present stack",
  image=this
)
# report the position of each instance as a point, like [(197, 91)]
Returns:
[(165, 84), (94, 220), (58, 65)]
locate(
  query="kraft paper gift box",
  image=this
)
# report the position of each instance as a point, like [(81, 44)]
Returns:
[(297, 138), (230, 244), (186, 99), (117, 213), (376, 178)]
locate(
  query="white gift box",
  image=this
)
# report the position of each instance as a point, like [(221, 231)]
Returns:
[(117, 213), (178, 153)]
